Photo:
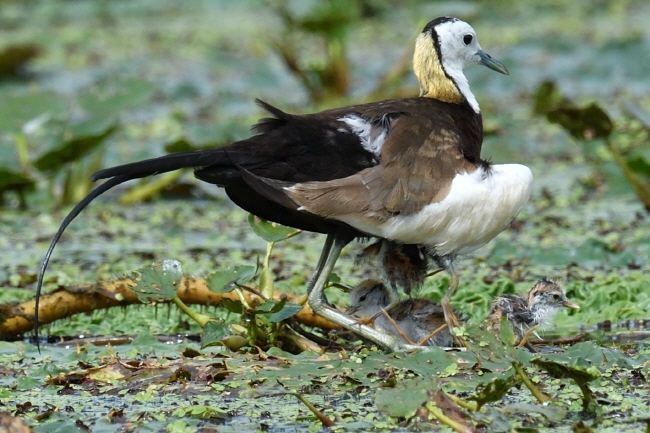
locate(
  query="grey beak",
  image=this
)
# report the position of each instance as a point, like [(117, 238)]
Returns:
[(495, 65)]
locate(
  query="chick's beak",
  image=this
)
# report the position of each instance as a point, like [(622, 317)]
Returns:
[(494, 64), (571, 304)]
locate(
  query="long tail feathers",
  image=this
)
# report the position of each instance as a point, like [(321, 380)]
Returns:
[(162, 164), (66, 222)]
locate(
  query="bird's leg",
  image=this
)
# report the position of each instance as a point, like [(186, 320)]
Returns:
[(433, 334), (524, 340), (327, 247), (396, 326), (317, 302), (445, 302)]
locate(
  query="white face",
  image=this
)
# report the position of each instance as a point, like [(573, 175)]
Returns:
[(458, 45)]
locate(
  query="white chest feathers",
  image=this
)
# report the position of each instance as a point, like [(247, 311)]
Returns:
[(478, 207)]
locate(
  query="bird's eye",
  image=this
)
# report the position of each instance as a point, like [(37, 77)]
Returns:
[(467, 39), (363, 298), (556, 296)]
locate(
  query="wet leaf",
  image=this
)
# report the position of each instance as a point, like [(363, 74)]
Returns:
[(288, 310), (80, 139), (269, 307), (270, 231), (17, 110), (226, 280), (14, 57), (180, 145), (639, 165), (111, 98), (429, 362), (495, 387), (158, 281), (213, 332), (11, 180), (448, 412), (232, 306), (552, 413), (639, 113), (402, 402), (547, 97), (199, 411), (577, 370), (585, 123)]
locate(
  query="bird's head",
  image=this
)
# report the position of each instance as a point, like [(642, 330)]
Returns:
[(546, 298), (368, 298), (444, 48)]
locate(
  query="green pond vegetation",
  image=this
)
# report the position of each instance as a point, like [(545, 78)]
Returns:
[(86, 85)]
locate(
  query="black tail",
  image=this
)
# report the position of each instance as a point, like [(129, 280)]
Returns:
[(163, 164), (66, 222), (116, 176)]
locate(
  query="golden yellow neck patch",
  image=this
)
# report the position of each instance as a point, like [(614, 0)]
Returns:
[(428, 70)]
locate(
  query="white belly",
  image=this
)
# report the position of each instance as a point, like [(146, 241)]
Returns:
[(478, 208)]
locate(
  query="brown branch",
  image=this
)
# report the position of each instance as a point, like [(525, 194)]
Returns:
[(18, 318)]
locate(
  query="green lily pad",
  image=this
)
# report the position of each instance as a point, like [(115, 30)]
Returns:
[(110, 99), (402, 402), (17, 110), (158, 281), (552, 413)]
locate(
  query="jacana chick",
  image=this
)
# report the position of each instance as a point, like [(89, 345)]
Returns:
[(535, 308), (414, 318)]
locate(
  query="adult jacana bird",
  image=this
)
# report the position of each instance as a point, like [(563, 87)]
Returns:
[(407, 170)]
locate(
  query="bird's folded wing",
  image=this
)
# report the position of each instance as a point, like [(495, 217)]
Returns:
[(418, 163)]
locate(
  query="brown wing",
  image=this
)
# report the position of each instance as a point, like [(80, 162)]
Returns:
[(419, 159)]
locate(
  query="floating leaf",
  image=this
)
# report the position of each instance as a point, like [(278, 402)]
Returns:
[(552, 413), (402, 402), (585, 123), (17, 110), (226, 280), (81, 139), (270, 231), (579, 369), (111, 98), (495, 388), (158, 281)]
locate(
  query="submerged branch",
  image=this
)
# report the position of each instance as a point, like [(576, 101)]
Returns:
[(18, 318)]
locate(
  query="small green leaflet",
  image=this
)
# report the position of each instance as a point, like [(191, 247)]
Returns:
[(158, 281)]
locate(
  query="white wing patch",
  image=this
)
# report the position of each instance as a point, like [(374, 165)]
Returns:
[(372, 135)]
